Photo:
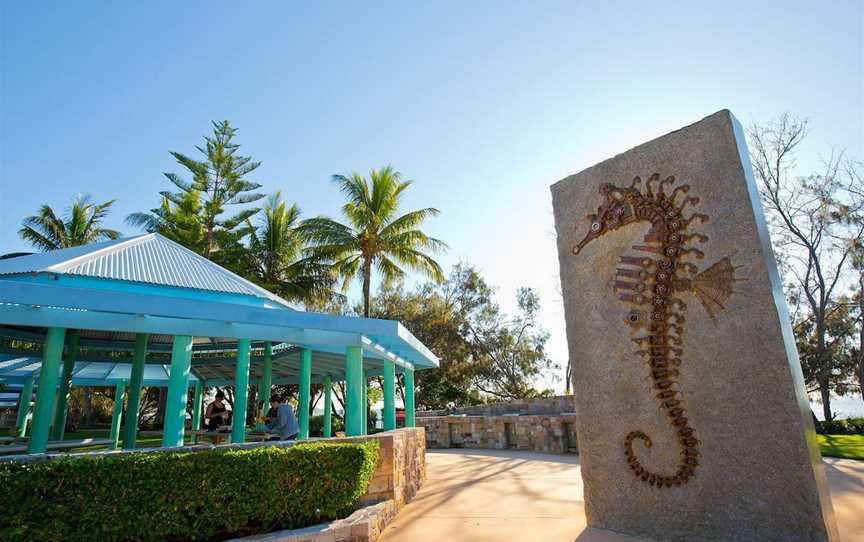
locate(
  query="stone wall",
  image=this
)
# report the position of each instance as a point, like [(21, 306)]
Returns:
[(548, 405), (540, 433), (401, 467)]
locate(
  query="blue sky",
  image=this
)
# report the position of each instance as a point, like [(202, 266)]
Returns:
[(483, 104)]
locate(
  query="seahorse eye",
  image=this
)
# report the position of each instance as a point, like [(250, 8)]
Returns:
[(596, 226)]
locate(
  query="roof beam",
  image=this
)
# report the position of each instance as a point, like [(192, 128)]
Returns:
[(285, 325)]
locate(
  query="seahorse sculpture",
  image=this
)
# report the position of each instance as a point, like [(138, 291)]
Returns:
[(656, 281)]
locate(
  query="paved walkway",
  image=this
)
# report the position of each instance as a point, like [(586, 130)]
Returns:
[(480, 495)]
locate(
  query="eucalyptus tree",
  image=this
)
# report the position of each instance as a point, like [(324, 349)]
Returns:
[(374, 235), (81, 225), (278, 263), (817, 227)]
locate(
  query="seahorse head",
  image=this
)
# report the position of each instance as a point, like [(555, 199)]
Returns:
[(616, 211)]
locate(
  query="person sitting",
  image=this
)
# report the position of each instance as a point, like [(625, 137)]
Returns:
[(281, 420), (216, 414)]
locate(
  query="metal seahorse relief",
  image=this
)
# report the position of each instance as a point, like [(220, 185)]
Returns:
[(652, 285)]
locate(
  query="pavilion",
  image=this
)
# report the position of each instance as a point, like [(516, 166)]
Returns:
[(107, 313)]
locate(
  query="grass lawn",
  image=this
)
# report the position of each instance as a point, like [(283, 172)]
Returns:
[(845, 446), (141, 442)]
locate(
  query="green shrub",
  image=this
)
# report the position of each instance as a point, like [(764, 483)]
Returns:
[(316, 425), (183, 496), (850, 426)]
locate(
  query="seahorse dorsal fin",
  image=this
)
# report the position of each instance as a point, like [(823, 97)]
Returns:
[(714, 285)]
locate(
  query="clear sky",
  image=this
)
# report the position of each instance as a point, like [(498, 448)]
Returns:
[(483, 104)]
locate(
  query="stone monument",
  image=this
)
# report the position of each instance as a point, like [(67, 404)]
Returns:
[(693, 422)]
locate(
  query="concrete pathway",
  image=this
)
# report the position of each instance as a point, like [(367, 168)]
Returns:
[(480, 495)]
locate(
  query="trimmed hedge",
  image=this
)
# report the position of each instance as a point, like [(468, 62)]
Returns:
[(207, 495)]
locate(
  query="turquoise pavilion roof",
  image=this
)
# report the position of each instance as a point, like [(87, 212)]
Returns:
[(148, 284), (147, 259)]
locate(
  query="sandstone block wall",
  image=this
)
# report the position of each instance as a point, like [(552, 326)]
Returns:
[(547, 405), (541, 433), (401, 465)]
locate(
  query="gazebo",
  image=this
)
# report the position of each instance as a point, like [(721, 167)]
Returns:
[(145, 300)]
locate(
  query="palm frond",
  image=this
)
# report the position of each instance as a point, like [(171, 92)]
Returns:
[(409, 221)]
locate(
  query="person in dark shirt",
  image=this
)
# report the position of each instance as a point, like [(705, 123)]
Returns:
[(217, 414)]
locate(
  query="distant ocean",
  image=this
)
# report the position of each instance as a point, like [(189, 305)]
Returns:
[(843, 407)]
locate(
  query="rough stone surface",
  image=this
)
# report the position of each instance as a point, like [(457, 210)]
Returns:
[(547, 405), (541, 433), (401, 465), (760, 476), (365, 525)]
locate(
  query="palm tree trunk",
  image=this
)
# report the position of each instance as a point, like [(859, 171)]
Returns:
[(367, 283)]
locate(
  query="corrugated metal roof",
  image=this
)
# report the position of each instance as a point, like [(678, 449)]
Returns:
[(148, 258)]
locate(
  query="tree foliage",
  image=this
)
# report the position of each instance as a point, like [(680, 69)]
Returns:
[(817, 223), (179, 222), (277, 260), (374, 235), (81, 225), (218, 181), (484, 354)]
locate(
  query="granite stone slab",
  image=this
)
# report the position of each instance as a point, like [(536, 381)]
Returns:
[(679, 337)]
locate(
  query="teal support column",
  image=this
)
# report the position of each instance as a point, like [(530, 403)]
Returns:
[(305, 391), (196, 408), (65, 386), (24, 407), (389, 395), (353, 391), (178, 390), (136, 381), (266, 378), (51, 353), (327, 431), (409, 398), (117, 413), (241, 392), (365, 403)]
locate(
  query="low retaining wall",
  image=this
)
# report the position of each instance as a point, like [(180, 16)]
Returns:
[(401, 467), (559, 404), (542, 433)]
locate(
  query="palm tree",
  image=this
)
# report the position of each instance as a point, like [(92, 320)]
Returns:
[(278, 263), (81, 225), (374, 235), (176, 221)]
